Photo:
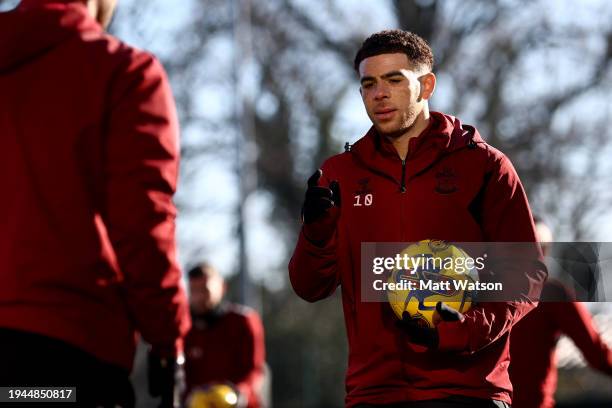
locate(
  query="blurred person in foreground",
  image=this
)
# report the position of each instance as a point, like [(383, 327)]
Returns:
[(533, 369), (225, 348), (415, 175), (87, 240)]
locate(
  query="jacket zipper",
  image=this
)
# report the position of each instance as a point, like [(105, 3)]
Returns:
[(401, 199), (403, 182)]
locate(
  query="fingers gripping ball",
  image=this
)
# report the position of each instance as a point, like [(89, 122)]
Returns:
[(214, 396), (439, 272)]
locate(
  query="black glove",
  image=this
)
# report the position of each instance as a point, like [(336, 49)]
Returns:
[(423, 335), (321, 209), (161, 377)]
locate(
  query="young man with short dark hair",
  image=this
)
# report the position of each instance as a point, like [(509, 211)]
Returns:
[(426, 176)]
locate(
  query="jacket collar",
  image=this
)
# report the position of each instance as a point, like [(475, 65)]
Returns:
[(444, 135)]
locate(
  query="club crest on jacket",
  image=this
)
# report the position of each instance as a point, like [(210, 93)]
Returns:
[(446, 181)]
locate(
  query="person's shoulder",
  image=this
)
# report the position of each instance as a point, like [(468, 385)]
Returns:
[(107, 49), (344, 159), (493, 154), (335, 165), (474, 150), (339, 158), (467, 135), (494, 160), (493, 157), (243, 317), (240, 311)]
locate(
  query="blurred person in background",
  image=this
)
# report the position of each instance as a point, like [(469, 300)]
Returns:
[(225, 346), (87, 223), (415, 175), (533, 368)]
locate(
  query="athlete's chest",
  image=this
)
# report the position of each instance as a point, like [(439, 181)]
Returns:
[(436, 202)]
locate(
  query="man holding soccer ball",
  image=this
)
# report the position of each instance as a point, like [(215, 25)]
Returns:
[(416, 175)]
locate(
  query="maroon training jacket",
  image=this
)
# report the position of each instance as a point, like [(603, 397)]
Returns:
[(453, 187), (90, 157)]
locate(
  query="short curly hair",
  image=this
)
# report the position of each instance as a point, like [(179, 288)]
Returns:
[(199, 270), (396, 41)]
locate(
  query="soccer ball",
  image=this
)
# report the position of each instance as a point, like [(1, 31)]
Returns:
[(213, 396), (436, 270)]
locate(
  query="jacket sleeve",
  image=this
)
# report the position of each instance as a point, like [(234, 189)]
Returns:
[(574, 319), (140, 176), (505, 217), (249, 378), (313, 270)]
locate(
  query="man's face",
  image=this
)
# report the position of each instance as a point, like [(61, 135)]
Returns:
[(392, 92), (206, 292)]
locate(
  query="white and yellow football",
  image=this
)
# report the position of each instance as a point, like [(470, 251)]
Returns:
[(436, 271)]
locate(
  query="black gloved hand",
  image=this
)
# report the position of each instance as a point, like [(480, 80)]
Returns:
[(321, 209), (423, 335), (161, 376)]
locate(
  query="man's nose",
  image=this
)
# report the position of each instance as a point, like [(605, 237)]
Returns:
[(381, 91)]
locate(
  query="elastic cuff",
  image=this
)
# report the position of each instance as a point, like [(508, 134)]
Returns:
[(453, 336)]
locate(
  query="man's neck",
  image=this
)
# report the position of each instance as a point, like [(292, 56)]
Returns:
[(402, 142)]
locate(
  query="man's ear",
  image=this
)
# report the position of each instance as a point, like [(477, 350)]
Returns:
[(428, 85)]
